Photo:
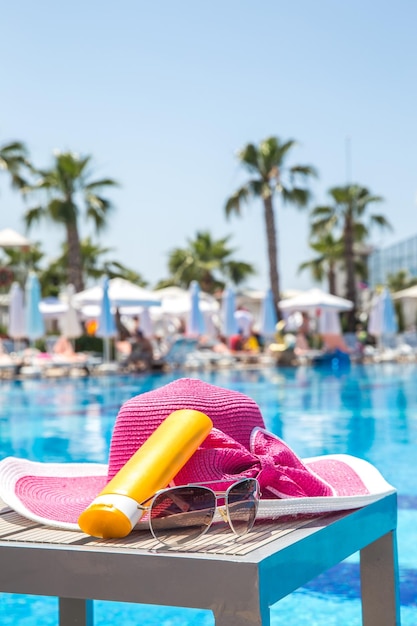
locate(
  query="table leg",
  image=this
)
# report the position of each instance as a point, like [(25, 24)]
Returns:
[(379, 582), (235, 616), (75, 612)]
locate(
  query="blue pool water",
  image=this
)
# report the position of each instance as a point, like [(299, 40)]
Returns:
[(369, 412)]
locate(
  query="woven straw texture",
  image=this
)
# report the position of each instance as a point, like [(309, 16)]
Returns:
[(230, 411)]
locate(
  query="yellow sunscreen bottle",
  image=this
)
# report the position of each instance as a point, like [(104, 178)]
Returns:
[(114, 512)]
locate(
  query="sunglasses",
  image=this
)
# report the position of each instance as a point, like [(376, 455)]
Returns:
[(180, 515)]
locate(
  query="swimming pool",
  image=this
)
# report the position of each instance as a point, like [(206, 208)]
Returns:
[(369, 411)]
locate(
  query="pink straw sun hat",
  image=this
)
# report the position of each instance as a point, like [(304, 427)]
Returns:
[(57, 493)]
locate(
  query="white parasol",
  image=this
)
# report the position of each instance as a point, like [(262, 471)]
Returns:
[(314, 300), (11, 239), (69, 324), (17, 324), (121, 293)]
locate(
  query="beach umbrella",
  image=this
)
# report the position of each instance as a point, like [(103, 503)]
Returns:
[(52, 308), (195, 320), (69, 324), (176, 301), (228, 326), (35, 327), (106, 323), (315, 300), (9, 238), (17, 323), (404, 294), (268, 319), (121, 293), (408, 301), (382, 318)]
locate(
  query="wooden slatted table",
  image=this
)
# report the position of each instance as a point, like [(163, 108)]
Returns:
[(236, 579)]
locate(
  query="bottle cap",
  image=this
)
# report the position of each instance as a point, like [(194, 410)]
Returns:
[(110, 516)]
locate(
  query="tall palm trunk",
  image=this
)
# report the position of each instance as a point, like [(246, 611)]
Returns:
[(350, 270), (75, 273), (207, 283), (331, 276), (271, 238)]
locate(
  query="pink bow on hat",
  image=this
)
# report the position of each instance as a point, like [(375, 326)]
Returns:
[(280, 472)]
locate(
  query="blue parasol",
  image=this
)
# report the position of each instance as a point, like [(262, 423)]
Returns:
[(229, 324), (196, 324), (268, 320), (390, 325), (382, 317), (35, 327), (106, 323)]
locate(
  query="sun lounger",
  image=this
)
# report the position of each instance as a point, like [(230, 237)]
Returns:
[(8, 365), (238, 580), (177, 352), (407, 346)]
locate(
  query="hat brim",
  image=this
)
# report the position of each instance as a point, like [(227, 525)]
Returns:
[(343, 473), (55, 494)]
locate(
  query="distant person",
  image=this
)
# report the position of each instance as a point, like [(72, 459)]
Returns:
[(221, 344), (251, 344), (63, 347), (136, 327), (237, 342), (141, 356), (122, 331), (244, 320)]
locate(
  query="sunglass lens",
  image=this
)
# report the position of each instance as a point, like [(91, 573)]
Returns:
[(182, 514), (242, 500)]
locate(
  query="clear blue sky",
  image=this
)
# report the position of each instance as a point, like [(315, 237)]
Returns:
[(163, 93)]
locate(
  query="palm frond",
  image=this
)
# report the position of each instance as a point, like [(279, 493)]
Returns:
[(18, 182), (322, 210), (34, 215), (62, 211), (233, 204), (248, 155), (340, 194), (316, 267), (304, 170), (104, 182), (256, 187), (323, 224), (381, 221), (96, 210), (360, 231), (295, 195), (284, 148), (13, 148)]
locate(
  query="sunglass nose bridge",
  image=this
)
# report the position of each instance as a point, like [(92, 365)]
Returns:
[(222, 511)]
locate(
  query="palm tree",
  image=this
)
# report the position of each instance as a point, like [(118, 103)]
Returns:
[(330, 253), (92, 268), (14, 158), (331, 256), (266, 165), (23, 260), (53, 278), (65, 186), (348, 216), (400, 280), (207, 261)]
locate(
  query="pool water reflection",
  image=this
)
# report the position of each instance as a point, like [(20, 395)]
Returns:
[(369, 412)]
